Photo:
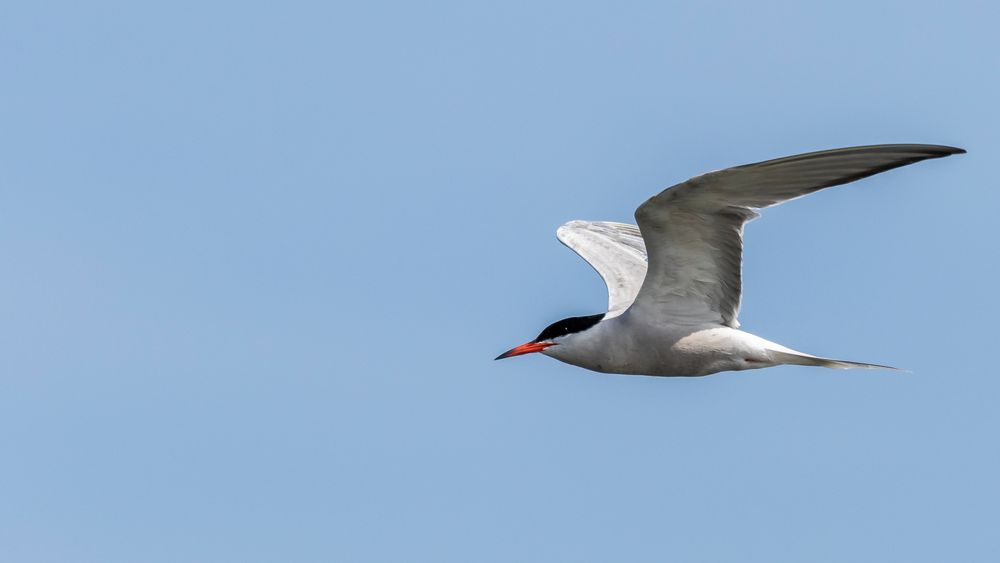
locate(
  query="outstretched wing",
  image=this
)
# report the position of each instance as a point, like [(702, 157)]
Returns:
[(694, 231), (616, 251)]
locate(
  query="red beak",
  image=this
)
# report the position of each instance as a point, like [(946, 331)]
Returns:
[(525, 349)]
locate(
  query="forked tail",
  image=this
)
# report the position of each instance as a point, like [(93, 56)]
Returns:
[(800, 359)]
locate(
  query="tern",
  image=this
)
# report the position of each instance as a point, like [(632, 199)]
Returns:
[(674, 279)]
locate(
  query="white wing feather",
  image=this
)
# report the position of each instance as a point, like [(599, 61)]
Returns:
[(616, 251), (694, 231)]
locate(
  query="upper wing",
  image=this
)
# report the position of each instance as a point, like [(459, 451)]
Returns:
[(616, 251), (694, 230)]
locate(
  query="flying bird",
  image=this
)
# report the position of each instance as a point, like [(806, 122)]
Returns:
[(673, 281)]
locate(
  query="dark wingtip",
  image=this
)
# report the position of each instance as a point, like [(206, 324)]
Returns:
[(932, 151), (946, 150)]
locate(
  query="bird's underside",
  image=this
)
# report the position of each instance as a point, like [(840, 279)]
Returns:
[(680, 351), (674, 280)]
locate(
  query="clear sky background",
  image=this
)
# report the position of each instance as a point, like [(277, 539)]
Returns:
[(258, 258)]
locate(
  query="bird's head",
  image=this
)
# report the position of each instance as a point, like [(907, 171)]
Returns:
[(555, 334)]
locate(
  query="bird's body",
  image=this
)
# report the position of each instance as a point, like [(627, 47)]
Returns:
[(628, 345), (674, 281), (633, 346)]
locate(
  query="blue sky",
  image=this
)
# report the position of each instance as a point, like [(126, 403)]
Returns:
[(258, 258)]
